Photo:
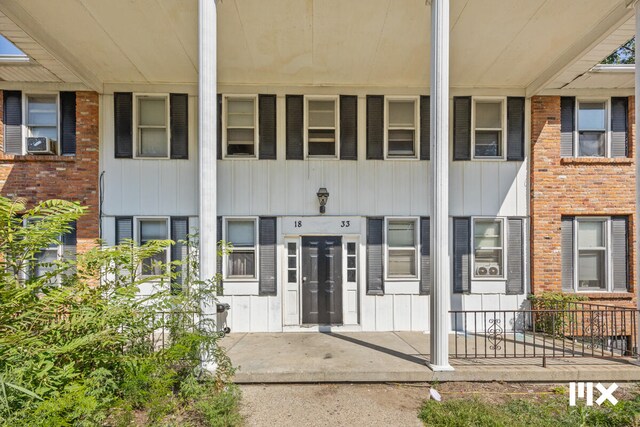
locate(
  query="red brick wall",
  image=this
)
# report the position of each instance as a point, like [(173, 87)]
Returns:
[(73, 178), (572, 186)]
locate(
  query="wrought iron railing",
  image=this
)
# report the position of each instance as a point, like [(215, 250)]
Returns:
[(558, 329)]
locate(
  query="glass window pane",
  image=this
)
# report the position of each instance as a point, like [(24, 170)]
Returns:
[(42, 110), (291, 248), (49, 132), (402, 114), (488, 234), (152, 266), (592, 144), (351, 248), (401, 234), (488, 115), (351, 276), (591, 116), (240, 113), (242, 263), (153, 230), (241, 233), (402, 263), (488, 143), (291, 263), (401, 142), (322, 114), (590, 234), (591, 269), (152, 111), (351, 262), (153, 142), (292, 276)]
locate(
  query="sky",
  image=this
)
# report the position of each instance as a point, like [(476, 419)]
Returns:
[(7, 48)]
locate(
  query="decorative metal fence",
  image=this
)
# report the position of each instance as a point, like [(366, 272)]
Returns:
[(562, 329)]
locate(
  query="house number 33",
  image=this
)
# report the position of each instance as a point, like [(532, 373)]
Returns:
[(345, 224)]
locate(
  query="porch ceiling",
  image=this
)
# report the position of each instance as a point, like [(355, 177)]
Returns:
[(494, 43)]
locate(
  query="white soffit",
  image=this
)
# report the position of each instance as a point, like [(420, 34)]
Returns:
[(579, 74), (494, 43), (41, 67)]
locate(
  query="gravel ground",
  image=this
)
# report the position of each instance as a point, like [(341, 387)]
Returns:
[(331, 404)]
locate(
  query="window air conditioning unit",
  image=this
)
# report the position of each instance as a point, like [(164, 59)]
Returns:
[(39, 145), (488, 269)]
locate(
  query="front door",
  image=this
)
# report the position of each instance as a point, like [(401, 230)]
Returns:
[(322, 280)]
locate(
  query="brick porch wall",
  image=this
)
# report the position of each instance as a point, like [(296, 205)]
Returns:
[(75, 178), (572, 186)]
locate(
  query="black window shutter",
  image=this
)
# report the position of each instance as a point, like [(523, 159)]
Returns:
[(67, 123), (462, 128), (179, 111), (620, 253), (124, 229), (567, 125), (515, 128), (515, 256), (619, 127), (268, 275), (219, 127), (123, 124), (425, 128), (267, 126), (348, 127), (219, 256), (70, 242), (566, 245), (461, 255), (375, 127), (179, 235), (425, 256), (12, 119), (375, 256), (295, 127)]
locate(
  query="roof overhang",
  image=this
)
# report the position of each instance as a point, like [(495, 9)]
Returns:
[(521, 45)]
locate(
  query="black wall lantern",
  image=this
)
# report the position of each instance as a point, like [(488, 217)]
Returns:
[(323, 196)]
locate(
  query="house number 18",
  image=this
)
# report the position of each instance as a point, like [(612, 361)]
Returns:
[(297, 224)]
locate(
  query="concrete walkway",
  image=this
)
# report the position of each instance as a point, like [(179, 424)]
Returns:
[(394, 357)]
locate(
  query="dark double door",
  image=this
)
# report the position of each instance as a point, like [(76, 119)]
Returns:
[(322, 280)]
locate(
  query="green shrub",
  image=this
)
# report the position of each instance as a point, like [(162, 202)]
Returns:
[(80, 352), (557, 319), (547, 412)]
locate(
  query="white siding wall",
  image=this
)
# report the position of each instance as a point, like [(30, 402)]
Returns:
[(146, 187), (363, 188)]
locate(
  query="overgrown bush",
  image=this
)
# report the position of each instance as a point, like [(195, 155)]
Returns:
[(552, 312), (79, 345)]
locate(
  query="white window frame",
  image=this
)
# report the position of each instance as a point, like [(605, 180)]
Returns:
[(256, 122), (416, 127), (336, 100), (607, 126), (225, 257), (502, 221), (416, 248), (26, 129), (136, 232), (503, 148), (608, 266), (135, 131)]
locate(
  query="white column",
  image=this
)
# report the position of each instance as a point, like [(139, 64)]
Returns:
[(207, 134), (635, 155), (440, 262)]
